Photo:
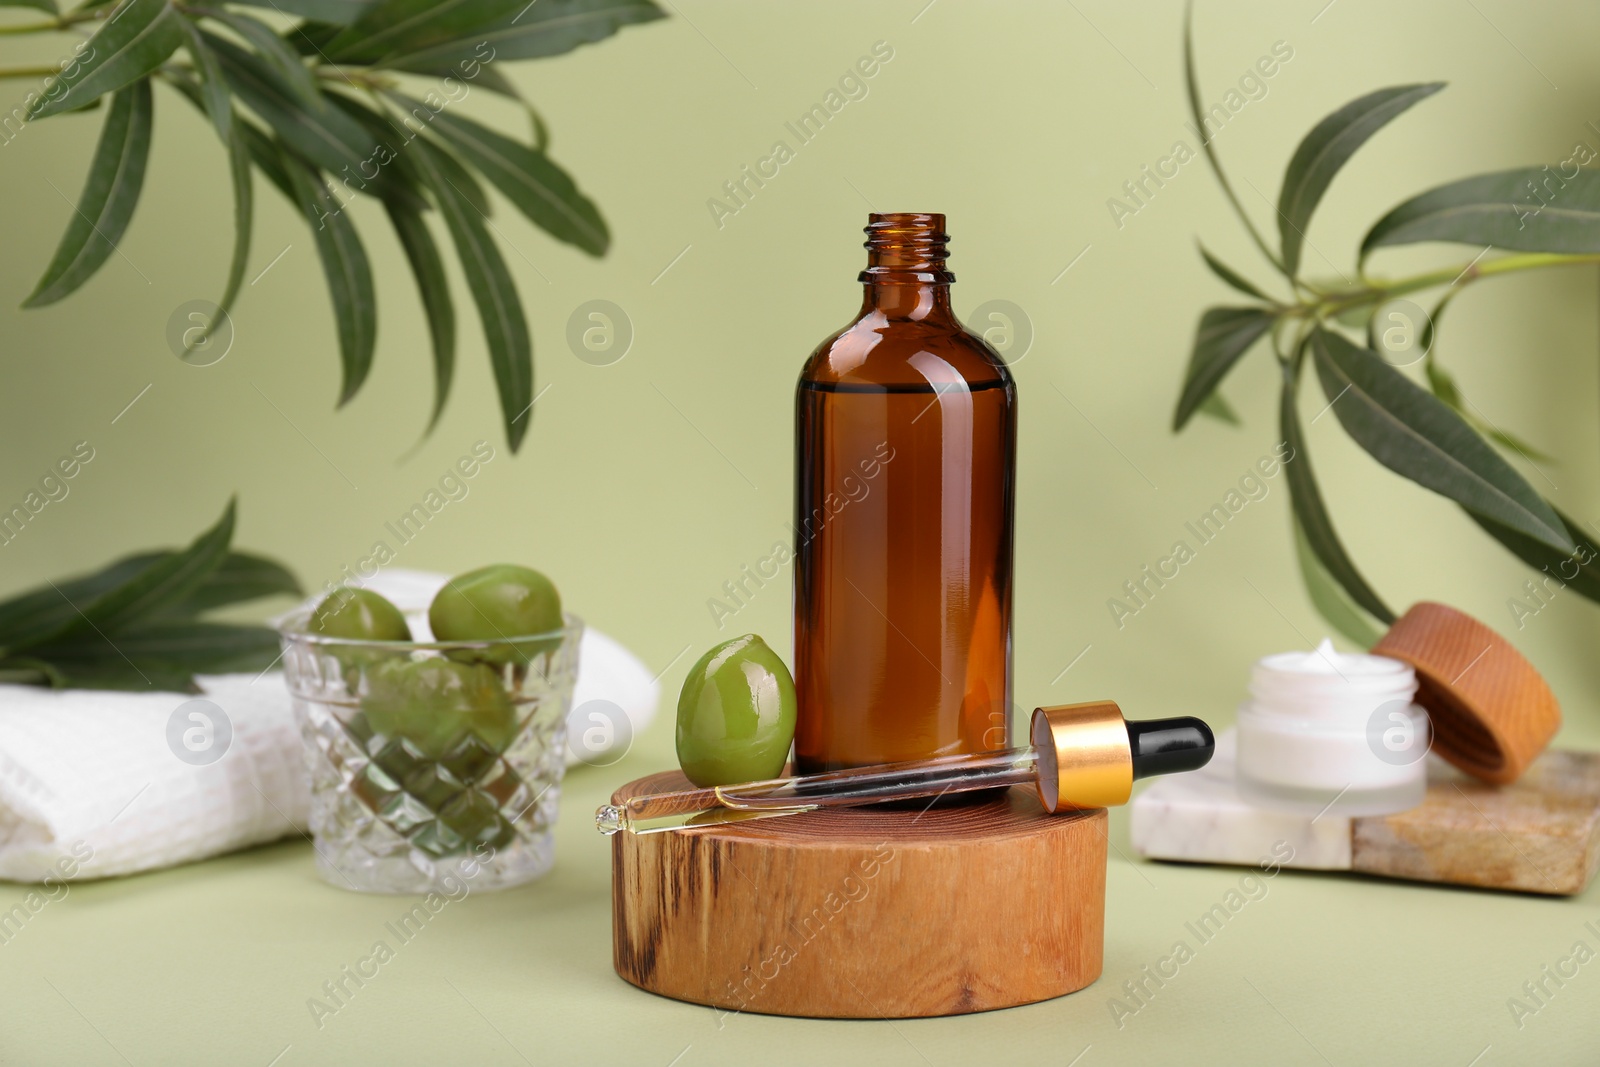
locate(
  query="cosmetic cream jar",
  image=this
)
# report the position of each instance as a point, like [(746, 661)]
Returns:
[(1326, 732)]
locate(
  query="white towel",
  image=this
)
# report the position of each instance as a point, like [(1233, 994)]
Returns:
[(90, 785)]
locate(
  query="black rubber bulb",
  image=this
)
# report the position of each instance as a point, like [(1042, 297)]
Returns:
[(1167, 746)]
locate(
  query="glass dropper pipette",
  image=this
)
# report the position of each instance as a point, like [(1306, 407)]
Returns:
[(1082, 756)]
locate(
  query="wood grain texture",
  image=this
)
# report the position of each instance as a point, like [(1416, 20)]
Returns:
[(1491, 712), (866, 912), (1539, 835)]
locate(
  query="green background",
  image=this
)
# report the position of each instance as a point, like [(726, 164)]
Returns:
[(645, 485)]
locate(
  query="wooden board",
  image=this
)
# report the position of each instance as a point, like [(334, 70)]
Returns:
[(1541, 834), (868, 913)]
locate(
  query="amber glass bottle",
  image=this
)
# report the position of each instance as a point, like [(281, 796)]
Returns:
[(905, 453)]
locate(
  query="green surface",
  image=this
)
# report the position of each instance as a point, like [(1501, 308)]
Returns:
[(648, 485), (215, 963)]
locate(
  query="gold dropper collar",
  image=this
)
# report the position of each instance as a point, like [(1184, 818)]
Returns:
[(1085, 755)]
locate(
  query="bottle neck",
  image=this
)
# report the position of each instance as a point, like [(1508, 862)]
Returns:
[(905, 277), (915, 301)]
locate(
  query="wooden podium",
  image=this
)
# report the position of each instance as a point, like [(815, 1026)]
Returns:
[(870, 913)]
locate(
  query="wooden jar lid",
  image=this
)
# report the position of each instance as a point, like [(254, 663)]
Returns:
[(870, 913), (1490, 711)]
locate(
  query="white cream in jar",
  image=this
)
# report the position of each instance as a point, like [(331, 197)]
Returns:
[(1331, 732)]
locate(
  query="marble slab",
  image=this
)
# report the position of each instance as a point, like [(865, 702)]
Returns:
[(1539, 835)]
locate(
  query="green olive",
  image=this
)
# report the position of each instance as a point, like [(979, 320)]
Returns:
[(736, 714), (435, 704), (496, 603), (358, 615)]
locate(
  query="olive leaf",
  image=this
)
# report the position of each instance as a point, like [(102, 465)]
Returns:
[(274, 52), (1579, 568), (263, 152), (1415, 434), (345, 266), (1326, 149), (165, 583), (402, 163), (47, 6), (129, 592), (1527, 210), (310, 38), (213, 85), (38, 614), (169, 650), (1224, 334), (422, 253), (1231, 276), (101, 215), (411, 125), (325, 136), (533, 31), (1216, 406), (541, 190), (43, 612), (243, 224), (494, 79), (1312, 521), (211, 93), (434, 288), (88, 667), (212, 647), (135, 623), (134, 41), (240, 577), (393, 27), (268, 159), (339, 12), (504, 328)]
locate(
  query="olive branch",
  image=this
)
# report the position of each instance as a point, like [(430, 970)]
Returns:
[(325, 110), (139, 623), (1432, 435)]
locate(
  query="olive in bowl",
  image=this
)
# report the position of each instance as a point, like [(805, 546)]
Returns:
[(496, 604)]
